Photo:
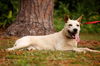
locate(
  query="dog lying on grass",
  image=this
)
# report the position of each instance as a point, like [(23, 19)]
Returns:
[(64, 40)]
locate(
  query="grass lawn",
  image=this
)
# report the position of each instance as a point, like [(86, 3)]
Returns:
[(47, 57)]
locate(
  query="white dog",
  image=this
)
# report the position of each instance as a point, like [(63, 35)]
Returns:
[(66, 39)]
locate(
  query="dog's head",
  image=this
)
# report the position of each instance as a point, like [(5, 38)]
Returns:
[(72, 27)]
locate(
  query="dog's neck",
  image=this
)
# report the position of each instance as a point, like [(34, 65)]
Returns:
[(64, 34)]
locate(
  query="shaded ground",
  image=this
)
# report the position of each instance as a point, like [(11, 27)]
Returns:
[(49, 58)]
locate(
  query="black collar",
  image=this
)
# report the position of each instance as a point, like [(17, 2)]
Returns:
[(68, 37)]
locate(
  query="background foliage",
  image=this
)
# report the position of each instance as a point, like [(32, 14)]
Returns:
[(73, 8), (8, 12)]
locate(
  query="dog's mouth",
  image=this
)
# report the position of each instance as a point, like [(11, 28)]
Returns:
[(73, 35)]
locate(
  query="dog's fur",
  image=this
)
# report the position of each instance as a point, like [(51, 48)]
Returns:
[(66, 39)]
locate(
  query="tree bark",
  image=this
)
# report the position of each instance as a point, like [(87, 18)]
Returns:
[(35, 17)]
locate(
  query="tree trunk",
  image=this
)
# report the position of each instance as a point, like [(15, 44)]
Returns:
[(34, 18)]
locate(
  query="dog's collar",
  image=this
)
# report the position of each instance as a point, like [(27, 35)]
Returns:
[(69, 37)]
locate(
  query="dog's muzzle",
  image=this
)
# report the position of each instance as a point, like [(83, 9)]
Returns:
[(73, 33)]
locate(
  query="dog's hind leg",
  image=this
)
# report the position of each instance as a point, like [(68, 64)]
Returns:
[(19, 45)]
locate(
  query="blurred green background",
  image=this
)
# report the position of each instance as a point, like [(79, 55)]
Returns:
[(74, 8)]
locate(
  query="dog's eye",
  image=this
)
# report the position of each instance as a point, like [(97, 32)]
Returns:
[(78, 25), (70, 25)]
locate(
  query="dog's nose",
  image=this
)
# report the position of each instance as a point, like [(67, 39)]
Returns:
[(75, 30)]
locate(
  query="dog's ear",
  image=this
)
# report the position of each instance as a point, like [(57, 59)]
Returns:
[(80, 18), (66, 18)]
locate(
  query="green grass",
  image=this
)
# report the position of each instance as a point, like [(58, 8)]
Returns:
[(90, 36), (52, 58)]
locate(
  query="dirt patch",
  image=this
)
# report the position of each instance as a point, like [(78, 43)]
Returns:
[(93, 44), (89, 42)]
